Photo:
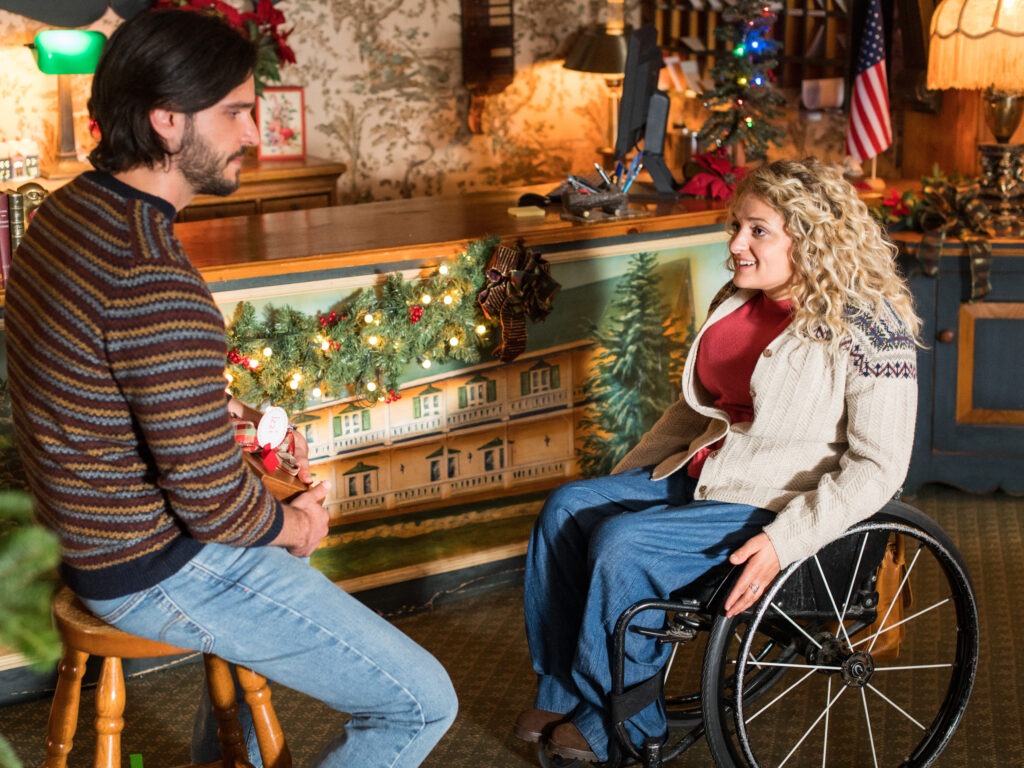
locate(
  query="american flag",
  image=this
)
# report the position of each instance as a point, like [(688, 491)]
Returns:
[(870, 131)]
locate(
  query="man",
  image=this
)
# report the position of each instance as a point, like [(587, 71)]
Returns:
[(116, 361)]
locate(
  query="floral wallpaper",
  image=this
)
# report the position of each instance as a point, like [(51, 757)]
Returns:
[(384, 95)]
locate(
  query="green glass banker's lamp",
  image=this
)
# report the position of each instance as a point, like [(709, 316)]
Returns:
[(64, 52)]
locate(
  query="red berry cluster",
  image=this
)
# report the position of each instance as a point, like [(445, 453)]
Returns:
[(415, 313), (237, 358), (331, 320), (392, 396)]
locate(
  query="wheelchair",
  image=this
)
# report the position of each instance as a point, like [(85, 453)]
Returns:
[(823, 670)]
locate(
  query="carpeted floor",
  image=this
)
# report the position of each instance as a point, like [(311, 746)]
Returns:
[(479, 637)]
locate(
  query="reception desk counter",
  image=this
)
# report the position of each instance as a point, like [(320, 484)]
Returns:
[(346, 237)]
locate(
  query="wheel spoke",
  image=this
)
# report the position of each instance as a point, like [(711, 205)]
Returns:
[(853, 582), (871, 638), (811, 727), (897, 596), (849, 591), (896, 706), (792, 621), (778, 698), (828, 715), (867, 722), (794, 665)]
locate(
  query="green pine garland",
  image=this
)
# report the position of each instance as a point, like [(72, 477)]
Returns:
[(365, 344)]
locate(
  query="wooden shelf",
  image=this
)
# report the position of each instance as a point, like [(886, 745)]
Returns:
[(271, 186), (266, 186)]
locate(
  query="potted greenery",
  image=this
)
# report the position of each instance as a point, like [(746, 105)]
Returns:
[(28, 560)]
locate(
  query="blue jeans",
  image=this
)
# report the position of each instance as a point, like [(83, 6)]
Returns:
[(267, 610), (597, 547)]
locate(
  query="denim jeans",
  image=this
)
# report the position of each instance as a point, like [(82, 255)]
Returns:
[(267, 610), (597, 547)]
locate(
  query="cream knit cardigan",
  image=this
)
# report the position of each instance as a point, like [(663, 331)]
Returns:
[(830, 440)]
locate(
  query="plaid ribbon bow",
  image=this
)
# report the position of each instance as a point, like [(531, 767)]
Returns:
[(280, 457), (519, 285), (956, 211)]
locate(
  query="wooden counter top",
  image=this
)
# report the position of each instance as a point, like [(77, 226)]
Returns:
[(294, 242)]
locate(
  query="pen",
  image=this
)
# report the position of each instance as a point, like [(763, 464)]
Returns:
[(619, 168), (631, 179), (632, 166), (578, 183), (604, 176), (634, 169), (583, 189)]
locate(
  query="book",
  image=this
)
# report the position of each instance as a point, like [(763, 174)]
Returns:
[(16, 219), (5, 239)]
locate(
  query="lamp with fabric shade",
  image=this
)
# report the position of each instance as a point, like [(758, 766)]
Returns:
[(979, 44), (65, 52), (601, 50)]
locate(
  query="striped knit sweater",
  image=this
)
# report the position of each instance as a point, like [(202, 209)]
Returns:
[(116, 355), (830, 440)]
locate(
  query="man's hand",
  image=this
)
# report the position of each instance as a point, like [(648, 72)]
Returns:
[(301, 454), (305, 522), (762, 565)]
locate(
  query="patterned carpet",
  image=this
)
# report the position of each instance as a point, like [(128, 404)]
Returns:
[(478, 634)]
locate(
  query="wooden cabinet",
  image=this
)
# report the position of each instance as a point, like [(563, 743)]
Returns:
[(970, 426), (271, 186)]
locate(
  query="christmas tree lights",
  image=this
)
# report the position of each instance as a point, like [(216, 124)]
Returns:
[(744, 100)]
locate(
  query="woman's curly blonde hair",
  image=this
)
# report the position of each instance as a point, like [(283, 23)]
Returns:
[(840, 256)]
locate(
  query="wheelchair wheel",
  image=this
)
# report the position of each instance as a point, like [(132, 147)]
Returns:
[(789, 685)]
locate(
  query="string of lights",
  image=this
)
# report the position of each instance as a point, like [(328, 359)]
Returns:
[(365, 345)]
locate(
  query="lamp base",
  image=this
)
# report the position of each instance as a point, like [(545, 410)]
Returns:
[(1002, 185), (64, 168), (1003, 111)]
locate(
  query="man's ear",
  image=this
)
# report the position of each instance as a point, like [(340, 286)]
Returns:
[(169, 125)]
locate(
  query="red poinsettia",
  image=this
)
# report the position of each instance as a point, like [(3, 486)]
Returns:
[(895, 202), (262, 25), (715, 176)]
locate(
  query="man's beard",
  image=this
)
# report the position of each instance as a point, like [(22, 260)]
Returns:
[(202, 168)]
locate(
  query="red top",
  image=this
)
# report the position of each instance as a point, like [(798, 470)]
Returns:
[(727, 355)]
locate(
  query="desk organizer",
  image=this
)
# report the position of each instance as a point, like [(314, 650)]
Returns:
[(611, 202)]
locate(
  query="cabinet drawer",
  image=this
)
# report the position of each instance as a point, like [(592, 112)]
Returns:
[(219, 211), (296, 203)]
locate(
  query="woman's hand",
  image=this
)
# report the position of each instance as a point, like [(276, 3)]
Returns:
[(762, 565)]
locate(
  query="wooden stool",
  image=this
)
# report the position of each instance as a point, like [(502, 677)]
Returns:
[(84, 635)]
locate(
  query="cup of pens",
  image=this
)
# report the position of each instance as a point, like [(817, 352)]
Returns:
[(609, 196)]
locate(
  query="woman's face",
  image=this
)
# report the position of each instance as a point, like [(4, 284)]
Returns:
[(759, 249)]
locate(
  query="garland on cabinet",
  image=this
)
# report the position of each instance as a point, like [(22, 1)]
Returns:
[(373, 339), (946, 207)]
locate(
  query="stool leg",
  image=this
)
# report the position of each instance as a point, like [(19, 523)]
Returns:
[(60, 729), (225, 706), (110, 701), (269, 735)]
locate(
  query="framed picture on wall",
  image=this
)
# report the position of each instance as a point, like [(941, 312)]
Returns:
[(281, 118)]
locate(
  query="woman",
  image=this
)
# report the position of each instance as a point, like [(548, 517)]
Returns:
[(796, 420)]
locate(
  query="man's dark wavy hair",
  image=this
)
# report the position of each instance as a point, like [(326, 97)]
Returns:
[(178, 60)]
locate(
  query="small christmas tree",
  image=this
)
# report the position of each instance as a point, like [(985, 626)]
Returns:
[(744, 100), (635, 373)]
